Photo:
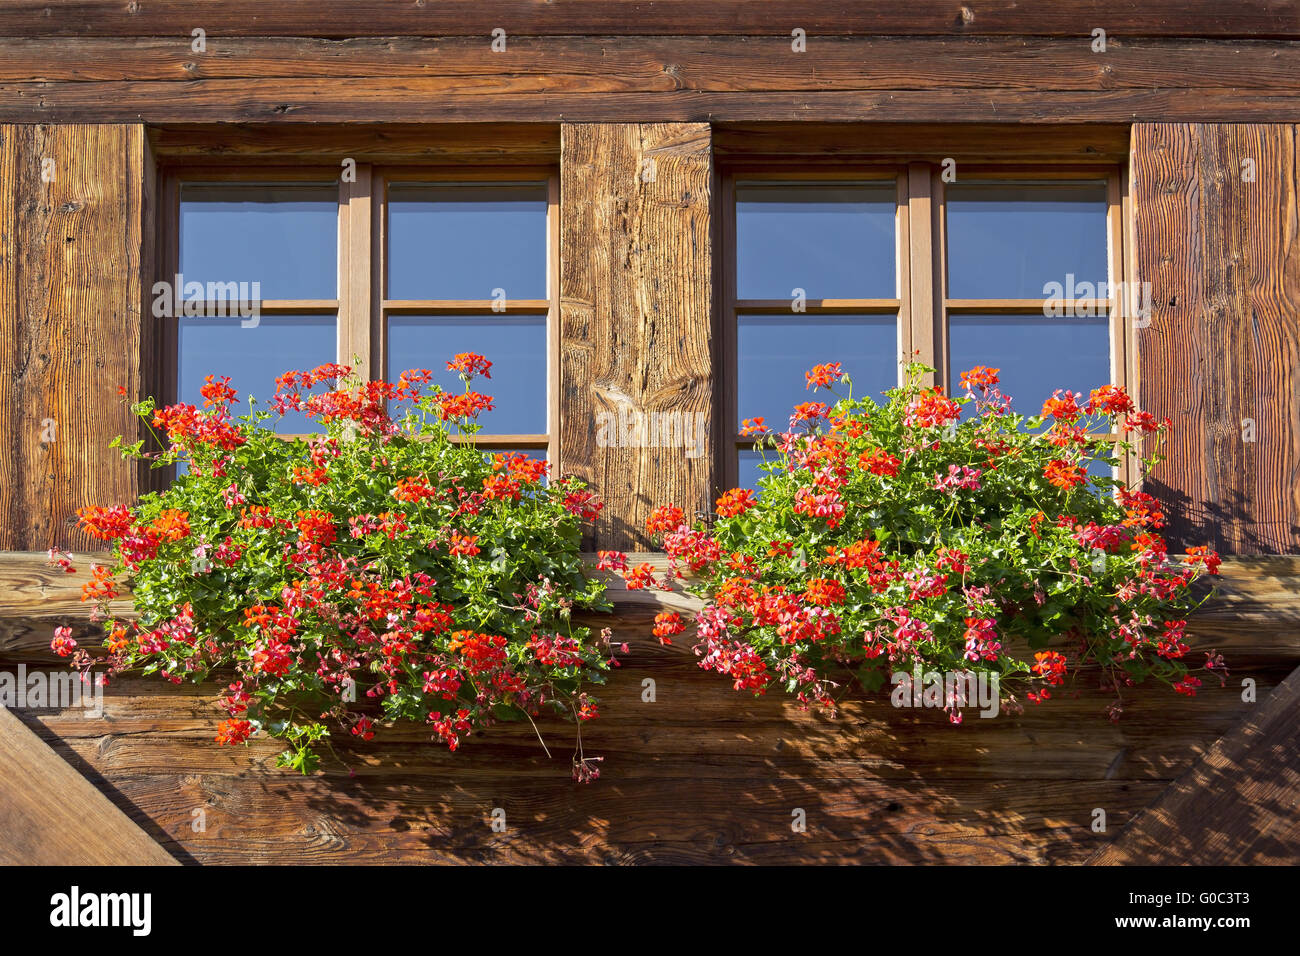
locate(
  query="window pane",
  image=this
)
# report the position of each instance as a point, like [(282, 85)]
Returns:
[(284, 237), (463, 240), (774, 352), (832, 241), (253, 358), (749, 473), (1008, 241), (516, 346), (1036, 355)]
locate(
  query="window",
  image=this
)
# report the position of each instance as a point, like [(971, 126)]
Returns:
[(1006, 266), (390, 268)]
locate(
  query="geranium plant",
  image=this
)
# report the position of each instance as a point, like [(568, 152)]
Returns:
[(953, 535), (377, 570)]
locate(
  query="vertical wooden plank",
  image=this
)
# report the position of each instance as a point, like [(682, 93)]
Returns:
[(926, 333), (355, 273), (1218, 239), (637, 346), (71, 300)]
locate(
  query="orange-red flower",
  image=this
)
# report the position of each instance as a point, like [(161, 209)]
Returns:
[(667, 624), (735, 502), (665, 518), (1064, 475), (463, 545), (172, 524), (469, 364), (979, 377), (824, 376), (931, 409)]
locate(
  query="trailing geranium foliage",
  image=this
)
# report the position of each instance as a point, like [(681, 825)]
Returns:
[(937, 533), (375, 570)]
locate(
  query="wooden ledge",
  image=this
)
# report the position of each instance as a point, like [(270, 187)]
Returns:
[(1255, 613)]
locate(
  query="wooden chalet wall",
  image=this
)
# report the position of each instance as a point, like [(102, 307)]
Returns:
[(599, 87), (1184, 91), (1218, 237), (74, 240)]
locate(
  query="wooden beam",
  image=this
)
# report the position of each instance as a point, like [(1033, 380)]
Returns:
[(1218, 239), (637, 347), (420, 100), (349, 18), (50, 815), (72, 238), (1239, 804), (388, 143), (577, 65), (889, 142)]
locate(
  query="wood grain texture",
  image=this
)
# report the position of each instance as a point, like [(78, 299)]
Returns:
[(1221, 353), (576, 65), (700, 775), (71, 300), (636, 319), (344, 18), (422, 100), (1239, 803), (50, 815), (1049, 145), (471, 144)]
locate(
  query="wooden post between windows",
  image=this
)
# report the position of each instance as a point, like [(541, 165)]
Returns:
[(636, 333)]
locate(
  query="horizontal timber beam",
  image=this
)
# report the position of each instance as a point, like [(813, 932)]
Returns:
[(343, 18), (422, 100)]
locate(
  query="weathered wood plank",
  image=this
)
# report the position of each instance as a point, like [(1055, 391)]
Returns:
[(71, 301), (1218, 238), (417, 100), (343, 18), (636, 319), (50, 815), (470, 144), (1238, 804), (603, 64), (420, 100), (701, 774)]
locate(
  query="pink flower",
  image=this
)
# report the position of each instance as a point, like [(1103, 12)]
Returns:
[(63, 644)]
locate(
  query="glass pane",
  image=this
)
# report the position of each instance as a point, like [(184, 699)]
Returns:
[(833, 241), (1035, 355), (1008, 241), (253, 358), (749, 472), (465, 240), (516, 346), (284, 237), (774, 352)]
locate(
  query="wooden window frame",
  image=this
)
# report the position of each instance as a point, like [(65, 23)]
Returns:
[(923, 305), (362, 307)]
